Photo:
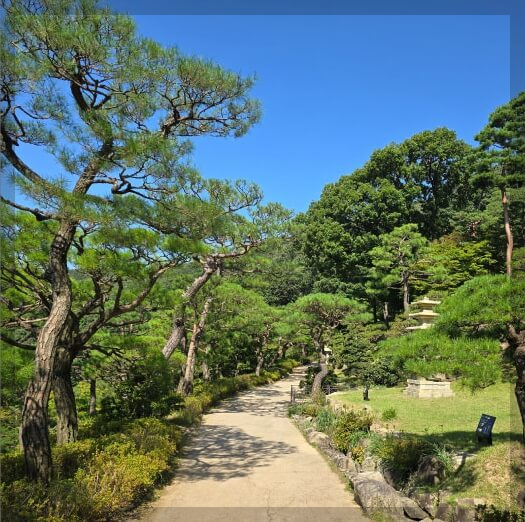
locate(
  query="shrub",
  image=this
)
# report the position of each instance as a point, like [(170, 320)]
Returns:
[(349, 422), (154, 437), (357, 453), (389, 414), (143, 387), (117, 478), (400, 456), (325, 420), (67, 458), (12, 466)]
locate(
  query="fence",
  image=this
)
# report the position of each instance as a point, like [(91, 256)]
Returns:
[(298, 394)]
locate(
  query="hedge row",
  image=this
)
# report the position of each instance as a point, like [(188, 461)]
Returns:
[(115, 466)]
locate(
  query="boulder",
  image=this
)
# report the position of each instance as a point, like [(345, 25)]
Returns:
[(412, 509), (444, 511), (320, 439), (427, 502), (430, 471), (368, 464), (373, 494)]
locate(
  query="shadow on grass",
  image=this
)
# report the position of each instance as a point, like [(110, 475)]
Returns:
[(465, 441)]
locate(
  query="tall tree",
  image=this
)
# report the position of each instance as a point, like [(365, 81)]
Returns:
[(393, 258), (107, 106), (503, 165)]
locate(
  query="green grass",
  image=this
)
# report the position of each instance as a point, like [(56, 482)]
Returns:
[(496, 473), (452, 419)]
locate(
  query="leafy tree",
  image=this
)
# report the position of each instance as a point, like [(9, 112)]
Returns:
[(224, 244), (449, 262), (503, 165), (108, 107), (322, 315), (393, 258)]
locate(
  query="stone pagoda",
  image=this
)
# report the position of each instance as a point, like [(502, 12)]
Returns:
[(438, 386)]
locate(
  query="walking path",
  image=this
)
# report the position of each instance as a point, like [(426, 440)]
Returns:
[(248, 462)]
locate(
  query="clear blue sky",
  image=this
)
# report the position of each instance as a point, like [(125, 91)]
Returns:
[(334, 88)]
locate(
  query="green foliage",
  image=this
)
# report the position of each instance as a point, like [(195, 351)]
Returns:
[(94, 479), (141, 387), (308, 409), (482, 307), (502, 139), (349, 422), (426, 353), (400, 455), (325, 419), (449, 262), (389, 414), (383, 371)]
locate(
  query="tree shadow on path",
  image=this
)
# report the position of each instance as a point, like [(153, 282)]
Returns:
[(225, 452)]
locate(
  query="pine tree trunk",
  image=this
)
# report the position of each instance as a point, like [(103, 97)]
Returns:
[(517, 341), (185, 386), (260, 362), (508, 231), (386, 314), (92, 397), (406, 293), (35, 428), (67, 419), (210, 267), (319, 377)]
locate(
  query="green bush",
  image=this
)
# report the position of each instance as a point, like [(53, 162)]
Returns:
[(349, 422), (325, 420), (12, 466), (67, 458), (117, 478), (400, 455), (389, 414)]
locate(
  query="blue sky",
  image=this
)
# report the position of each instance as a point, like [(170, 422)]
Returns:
[(334, 88)]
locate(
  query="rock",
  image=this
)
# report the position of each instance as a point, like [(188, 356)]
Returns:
[(320, 439), (369, 464), (412, 510), (427, 501), (465, 511), (430, 471), (351, 466), (389, 477), (444, 511), (459, 459), (373, 494), (464, 514)]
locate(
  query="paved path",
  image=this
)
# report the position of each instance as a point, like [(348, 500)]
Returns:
[(250, 463)]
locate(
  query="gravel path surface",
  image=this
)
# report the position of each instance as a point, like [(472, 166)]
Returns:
[(248, 462)]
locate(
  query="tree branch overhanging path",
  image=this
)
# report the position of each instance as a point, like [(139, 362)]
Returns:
[(249, 455)]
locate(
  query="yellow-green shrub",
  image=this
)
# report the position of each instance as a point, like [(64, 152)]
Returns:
[(12, 466), (67, 458), (349, 422), (118, 477)]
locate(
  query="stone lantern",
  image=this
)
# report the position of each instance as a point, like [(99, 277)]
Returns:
[(437, 386)]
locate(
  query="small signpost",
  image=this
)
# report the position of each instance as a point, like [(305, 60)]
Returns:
[(484, 429)]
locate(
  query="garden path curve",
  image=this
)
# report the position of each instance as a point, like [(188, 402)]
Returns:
[(248, 462)]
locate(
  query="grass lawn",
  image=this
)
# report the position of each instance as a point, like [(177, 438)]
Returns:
[(452, 419), (497, 473)]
